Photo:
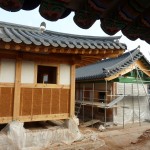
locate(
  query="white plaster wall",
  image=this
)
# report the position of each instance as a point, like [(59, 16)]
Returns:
[(65, 74), (7, 70), (27, 72)]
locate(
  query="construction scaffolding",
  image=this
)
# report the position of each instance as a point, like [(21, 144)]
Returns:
[(132, 100)]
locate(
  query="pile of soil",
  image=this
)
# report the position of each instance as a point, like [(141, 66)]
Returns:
[(145, 136)]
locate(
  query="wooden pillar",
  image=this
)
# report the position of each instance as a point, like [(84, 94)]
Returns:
[(16, 106), (72, 91)]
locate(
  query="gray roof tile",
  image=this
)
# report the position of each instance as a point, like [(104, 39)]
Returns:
[(108, 67), (31, 35)]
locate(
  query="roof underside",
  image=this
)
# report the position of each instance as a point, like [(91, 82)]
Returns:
[(132, 17), (30, 39), (110, 67)]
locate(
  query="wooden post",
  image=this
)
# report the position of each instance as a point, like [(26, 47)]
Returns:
[(72, 91), (16, 106)]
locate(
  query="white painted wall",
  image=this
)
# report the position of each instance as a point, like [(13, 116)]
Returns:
[(27, 72), (7, 70), (65, 74)]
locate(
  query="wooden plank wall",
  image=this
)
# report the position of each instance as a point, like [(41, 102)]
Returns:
[(41, 101), (6, 101), (6, 104)]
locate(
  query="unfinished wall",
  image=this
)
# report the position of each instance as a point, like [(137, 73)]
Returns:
[(40, 101), (6, 101), (132, 107), (7, 71), (27, 72), (92, 90), (65, 74), (131, 89), (37, 101)]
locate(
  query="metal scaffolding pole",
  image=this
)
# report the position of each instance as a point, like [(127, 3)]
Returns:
[(138, 75), (139, 105), (92, 103), (105, 104), (83, 101), (132, 103), (123, 105)]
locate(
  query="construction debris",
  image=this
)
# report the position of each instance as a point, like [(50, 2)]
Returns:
[(15, 137), (101, 128)]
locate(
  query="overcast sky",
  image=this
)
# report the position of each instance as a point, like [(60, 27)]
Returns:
[(67, 25)]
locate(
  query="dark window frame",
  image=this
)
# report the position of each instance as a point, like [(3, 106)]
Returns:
[(47, 73)]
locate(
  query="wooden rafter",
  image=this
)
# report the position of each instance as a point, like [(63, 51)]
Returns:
[(142, 67), (81, 56)]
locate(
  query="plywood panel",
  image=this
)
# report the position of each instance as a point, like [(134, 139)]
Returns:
[(6, 101), (64, 101), (46, 103), (37, 101), (26, 101), (55, 101)]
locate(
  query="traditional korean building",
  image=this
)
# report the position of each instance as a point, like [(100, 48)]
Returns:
[(37, 70), (114, 90)]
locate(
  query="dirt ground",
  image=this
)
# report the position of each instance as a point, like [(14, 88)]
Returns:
[(131, 137)]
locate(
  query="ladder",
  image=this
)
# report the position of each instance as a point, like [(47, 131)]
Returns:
[(78, 107)]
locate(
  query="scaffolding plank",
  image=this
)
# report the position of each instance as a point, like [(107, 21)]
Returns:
[(56, 122), (98, 104), (95, 104), (89, 123), (112, 103)]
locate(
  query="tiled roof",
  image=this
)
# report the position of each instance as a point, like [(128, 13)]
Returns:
[(132, 17), (108, 67), (31, 35)]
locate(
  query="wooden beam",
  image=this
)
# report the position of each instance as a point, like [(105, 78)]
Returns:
[(142, 67), (43, 117), (16, 106), (7, 46), (46, 49), (5, 119), (50, 49), (72, 91), (17, 47), (37, 49), (4, 84), (27, 48), (35, 85)]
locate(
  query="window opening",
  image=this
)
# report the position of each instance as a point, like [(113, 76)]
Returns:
[(101, 97), (47, 74)]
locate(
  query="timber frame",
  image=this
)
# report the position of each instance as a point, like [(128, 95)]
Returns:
[(32, 101)]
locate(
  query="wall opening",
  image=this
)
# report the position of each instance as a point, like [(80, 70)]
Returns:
[(47, 74), (102, 97)]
